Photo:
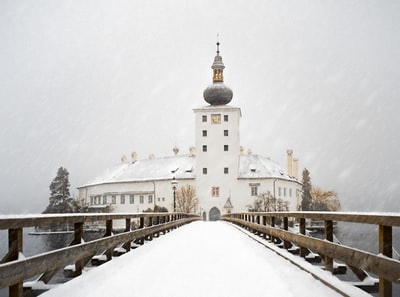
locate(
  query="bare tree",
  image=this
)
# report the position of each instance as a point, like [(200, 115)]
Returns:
[(186, 200), (266, 202), (325, 200)]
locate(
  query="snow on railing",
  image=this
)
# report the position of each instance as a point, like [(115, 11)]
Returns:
[(385, 264), (14, 268)]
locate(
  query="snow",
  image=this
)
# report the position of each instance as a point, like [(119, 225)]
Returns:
[(256, 166), (200, 259), (182, 167), (149, 169)]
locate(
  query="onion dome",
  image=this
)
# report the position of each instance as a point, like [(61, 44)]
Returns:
[(218, 93)]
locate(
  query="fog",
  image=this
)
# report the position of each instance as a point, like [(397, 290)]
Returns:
[(84, 82)]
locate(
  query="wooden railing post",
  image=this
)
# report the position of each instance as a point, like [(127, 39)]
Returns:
[(141, 226), (264, 223), (302, 230), (385, 248), (15, 245), (286, 243), (329, 237), (272, 223), (127, 245), (109, 226), (150, 237), (78, 235)]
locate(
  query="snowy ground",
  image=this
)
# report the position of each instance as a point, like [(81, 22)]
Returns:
[(199, 259)]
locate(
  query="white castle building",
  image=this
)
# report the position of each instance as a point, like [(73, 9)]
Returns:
[(224, 177)]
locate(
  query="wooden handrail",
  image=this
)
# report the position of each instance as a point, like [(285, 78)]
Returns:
[(383, 265), (14, 271)]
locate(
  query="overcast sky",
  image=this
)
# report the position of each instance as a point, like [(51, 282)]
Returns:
[(84, 82)]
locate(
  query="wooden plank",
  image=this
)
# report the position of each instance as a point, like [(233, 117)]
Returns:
[(354, 217), (24, 221)]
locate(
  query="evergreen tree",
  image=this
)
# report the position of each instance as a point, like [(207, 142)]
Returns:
[(60, 200), (306, 202), (59, 187)]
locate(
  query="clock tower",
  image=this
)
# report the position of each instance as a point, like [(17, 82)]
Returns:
[(217, 146)]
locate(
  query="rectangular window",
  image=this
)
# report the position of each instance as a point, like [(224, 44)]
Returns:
[(204, 118), (225, 118), (150, 199), (104, 199), (204, 170), (290, 192), (284, 192), (226, 170), (204, 133), (141, 199), (113, 199), (131, 199), (279, 191), (204, 148), (122, 199), (214, 191), (254, 190), (226, 133), (226, 148)]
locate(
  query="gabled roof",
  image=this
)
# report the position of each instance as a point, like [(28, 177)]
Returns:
[(180, 167), (256, 166), (228, 203), (183, 167)]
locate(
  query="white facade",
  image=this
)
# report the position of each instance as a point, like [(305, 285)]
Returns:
[(222, 175), (217, 156)]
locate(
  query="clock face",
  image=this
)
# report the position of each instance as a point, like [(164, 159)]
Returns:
[(216, 119)]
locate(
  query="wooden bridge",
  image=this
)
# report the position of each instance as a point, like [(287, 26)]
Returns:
[(15, 270)]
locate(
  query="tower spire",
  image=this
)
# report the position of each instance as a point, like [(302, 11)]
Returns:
[(217, 93), (218, 66), (217, 44)]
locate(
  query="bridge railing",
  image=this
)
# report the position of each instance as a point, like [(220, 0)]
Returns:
[(14, 269), (380, 264)]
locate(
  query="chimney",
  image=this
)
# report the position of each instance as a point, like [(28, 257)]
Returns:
[(175, 150), (296, 168), (192, 152), (290, 162), (134, 156)]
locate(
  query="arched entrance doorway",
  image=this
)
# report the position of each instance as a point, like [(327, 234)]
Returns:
[(214, 214)]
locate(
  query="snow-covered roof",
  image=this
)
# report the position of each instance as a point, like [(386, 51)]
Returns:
[(256, 166), (180, 167), (183, 167)]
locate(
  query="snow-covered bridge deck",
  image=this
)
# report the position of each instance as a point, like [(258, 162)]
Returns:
[(201, 259)]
